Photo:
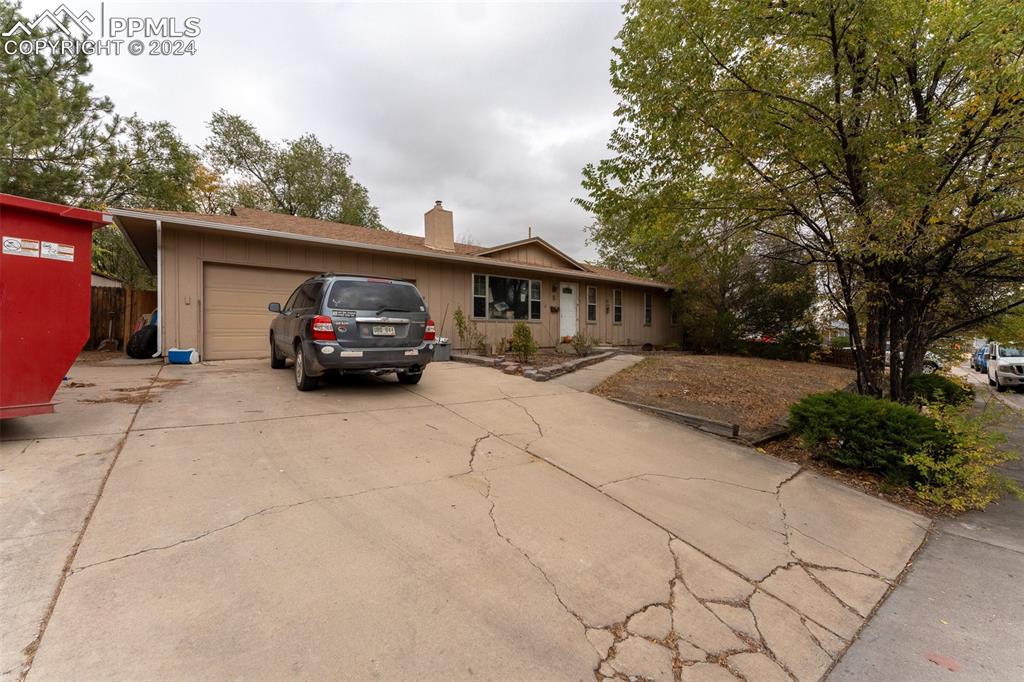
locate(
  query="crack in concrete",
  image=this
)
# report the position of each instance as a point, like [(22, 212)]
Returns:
[(854, 559), (767, 649), (526, 555), (29, 652), (472, 452), (684, 478), (536, 424), (273, 509), (797, 561), (817, 642)]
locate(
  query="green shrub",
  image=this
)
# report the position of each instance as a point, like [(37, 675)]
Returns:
[(523, 344), (582, 344), (470, 336), (867, 433), (964, 478), (939, 389)]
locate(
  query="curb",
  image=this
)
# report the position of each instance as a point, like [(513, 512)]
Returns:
[(714, 426)]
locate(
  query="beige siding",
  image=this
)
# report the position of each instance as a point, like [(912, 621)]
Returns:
[(531, 254), (631, 331), (188, 254)]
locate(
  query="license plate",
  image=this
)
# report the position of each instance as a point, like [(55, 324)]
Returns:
[(382, 330)]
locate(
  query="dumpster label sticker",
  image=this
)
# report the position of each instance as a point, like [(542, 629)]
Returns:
[(56, 251), (19, 246)]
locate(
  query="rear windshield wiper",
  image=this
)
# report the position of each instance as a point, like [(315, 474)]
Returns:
[(394, 310)]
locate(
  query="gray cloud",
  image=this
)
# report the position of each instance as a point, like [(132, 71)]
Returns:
[(493, 108)]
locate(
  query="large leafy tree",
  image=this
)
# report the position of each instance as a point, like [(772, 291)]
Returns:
[(301, 177), (52, 127), (879, 140)]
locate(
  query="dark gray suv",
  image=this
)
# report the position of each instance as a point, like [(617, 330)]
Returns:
[(352, 324)]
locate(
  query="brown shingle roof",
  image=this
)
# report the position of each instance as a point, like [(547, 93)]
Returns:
[(311, 227)]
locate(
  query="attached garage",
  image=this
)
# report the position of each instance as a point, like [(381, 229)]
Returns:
[(235, 316)]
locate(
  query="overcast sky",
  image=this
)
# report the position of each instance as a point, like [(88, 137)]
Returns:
[(493, 108)]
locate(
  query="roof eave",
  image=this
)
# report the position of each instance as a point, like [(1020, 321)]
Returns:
[(377, 248)]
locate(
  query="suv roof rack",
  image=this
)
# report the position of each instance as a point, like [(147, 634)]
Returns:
[(359, 274)]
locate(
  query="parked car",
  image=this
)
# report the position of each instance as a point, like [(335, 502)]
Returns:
[(931, 362), (1005, 366), (352, 324), (978, 361)]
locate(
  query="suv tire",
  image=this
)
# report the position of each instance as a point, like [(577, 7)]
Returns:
[(999, 387), (303, 381), (409, 379), (276, 360)]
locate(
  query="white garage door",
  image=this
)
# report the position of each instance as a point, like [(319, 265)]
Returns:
[(235, 316)]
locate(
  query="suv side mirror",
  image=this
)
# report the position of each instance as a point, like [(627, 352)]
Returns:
[(274, 307)]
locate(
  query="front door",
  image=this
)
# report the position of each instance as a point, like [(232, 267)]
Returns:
[(568, 314)]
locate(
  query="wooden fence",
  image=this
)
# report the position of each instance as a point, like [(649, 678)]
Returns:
[(115, 311), (837, 356)]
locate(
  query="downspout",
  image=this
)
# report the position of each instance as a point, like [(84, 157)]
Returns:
[(159, 291)]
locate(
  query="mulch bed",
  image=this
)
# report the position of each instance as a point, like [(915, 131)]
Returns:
[(542, 358), (752, 392)]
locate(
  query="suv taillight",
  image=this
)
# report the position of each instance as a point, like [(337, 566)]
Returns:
[(429, 332), (322, 329)]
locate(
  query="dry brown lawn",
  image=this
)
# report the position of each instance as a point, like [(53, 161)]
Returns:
[(751, 392)]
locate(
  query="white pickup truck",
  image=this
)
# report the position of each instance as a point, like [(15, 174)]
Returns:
[(1005, 366)]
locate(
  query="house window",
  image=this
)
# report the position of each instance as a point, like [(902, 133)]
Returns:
[(505, 298), (648, 304), (617, 306), (591, 304), (479, 296)]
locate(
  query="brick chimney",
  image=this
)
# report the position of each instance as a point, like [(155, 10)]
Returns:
[(439, 229)]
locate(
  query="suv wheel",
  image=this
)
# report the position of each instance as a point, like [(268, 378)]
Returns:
[(303, 381), (999, 387), (409, 379), (276, 360)]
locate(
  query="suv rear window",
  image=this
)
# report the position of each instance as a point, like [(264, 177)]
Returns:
[(357, 295)]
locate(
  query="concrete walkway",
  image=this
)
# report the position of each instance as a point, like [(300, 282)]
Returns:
[(959, 614), (590, 377), (477, 525)]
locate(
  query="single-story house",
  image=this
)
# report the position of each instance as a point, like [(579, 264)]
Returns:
[(217, 273)]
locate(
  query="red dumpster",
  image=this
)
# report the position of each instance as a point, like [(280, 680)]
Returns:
[(45, 283)]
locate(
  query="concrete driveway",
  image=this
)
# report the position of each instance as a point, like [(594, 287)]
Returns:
[(476, 526)]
